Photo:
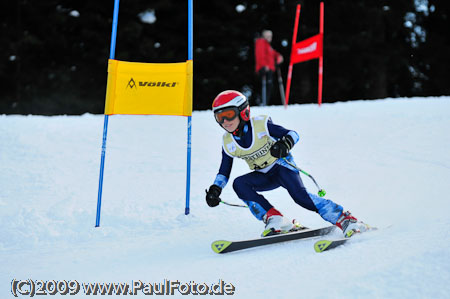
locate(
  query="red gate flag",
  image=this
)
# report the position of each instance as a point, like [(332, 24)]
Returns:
[(307, 49), (310, 48)]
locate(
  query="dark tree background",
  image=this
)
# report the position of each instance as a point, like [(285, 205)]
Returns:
[(53, 53)]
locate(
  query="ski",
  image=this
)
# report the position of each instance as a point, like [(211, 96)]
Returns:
[(324, 245), (223, 246)]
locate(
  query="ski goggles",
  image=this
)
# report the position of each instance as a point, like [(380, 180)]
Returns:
[(226, 114)]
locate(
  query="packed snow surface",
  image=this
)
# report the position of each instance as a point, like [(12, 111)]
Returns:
[(387, 161)]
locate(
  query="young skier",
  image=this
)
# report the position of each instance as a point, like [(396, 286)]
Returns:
[(265, 147)]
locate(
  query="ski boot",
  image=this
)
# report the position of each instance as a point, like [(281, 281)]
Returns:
[(297, 226), (350, 225), (276, 223)]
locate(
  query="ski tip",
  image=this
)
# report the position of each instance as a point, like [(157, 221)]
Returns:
[(321, 245), (220, 246)]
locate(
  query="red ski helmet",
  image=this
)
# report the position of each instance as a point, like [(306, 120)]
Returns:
[(232, 100)]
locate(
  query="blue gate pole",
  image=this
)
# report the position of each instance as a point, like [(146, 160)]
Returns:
[(105, 123), (189, 125)]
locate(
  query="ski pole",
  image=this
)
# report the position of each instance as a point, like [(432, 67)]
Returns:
[(280, 85), (233, 205), (321, 192), (229, 204), (264, 90)]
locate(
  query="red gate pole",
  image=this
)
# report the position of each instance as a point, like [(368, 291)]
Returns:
[(294, 40), (319, 97)]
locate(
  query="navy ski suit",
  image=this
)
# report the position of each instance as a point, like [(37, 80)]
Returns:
[(280, 173)]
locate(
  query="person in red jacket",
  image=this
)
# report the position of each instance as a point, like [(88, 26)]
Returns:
[(266, 59)]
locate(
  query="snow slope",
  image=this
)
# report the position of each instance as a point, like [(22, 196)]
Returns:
[(388, 161)]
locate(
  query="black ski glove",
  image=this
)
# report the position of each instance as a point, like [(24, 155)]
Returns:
[(281, 148), (212, 195)]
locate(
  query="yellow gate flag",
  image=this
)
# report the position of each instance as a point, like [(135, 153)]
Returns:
[(149, 88)]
